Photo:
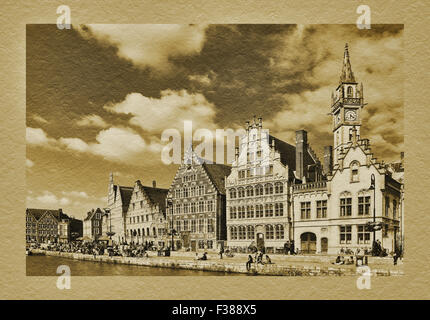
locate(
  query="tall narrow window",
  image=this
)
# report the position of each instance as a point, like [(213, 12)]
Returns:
[(345, 207), (305, 210), (345, 234), (363, 206), (322, 209), (354, 171), (387, 206)]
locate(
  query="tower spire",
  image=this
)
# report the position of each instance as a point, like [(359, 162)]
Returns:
[(347, 75)]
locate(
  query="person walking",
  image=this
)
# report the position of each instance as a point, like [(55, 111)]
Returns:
[(221, 251)]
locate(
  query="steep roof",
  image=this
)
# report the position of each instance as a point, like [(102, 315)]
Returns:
[(286, 150), (156, 195), (217, 173), (125, 193), (38, 213)]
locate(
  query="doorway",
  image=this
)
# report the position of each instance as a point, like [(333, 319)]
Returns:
[(308, 243), (260, 241), (324, 245)]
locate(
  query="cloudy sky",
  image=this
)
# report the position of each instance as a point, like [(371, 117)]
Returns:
[(99, 96)]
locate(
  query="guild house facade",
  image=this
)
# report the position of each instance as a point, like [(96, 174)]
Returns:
[(259, 188), (332, 214), (146, 215), (197, 205)]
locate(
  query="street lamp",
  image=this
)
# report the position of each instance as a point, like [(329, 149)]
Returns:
[(373, 187), (170, 206), (109, 233)]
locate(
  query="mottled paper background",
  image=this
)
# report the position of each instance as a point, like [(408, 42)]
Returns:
[(16, 14)]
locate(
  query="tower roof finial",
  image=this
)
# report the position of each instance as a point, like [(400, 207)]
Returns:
[(347, 75)]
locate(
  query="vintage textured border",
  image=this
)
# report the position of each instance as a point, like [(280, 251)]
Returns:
[(16, 14)]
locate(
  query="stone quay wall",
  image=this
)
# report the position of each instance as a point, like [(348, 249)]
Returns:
[(226, 266)]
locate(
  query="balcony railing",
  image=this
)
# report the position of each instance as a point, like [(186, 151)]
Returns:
[(351, 101)]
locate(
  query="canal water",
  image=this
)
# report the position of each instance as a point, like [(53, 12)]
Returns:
[(47, 266)]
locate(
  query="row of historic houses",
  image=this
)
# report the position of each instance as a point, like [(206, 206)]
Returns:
[(274, 194)]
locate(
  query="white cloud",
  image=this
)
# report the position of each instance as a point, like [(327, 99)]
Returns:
[(37, 136), (74, 144), (92, 120), (49, 199), (29, 163), (115, 144), (169, 111), (149, 44)]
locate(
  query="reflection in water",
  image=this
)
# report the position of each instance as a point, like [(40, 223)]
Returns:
[(47, 266)]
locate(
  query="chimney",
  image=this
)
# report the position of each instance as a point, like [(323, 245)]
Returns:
[(260, 122), (154, 183), (247, 125), (402, 157), (328, 160), (301, 148)]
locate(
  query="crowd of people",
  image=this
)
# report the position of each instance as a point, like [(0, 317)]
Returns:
[(101, 248)]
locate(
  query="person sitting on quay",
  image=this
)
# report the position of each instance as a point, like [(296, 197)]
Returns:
[(268, 260), (259, 258), (339, 260), (204, 257)]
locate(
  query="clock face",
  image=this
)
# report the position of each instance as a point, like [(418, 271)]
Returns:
[(350, 115)]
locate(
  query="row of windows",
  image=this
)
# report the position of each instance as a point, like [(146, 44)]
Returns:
[(138, 219), (195, 225), (190, 192), (195, 207), (363, 236), (345, 207), (256, 171), (146, 232), (258, 190), (305, 209), (190, 177), (257, 211), (248, 232)]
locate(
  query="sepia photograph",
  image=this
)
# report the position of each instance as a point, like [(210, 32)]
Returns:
[(215, 150)]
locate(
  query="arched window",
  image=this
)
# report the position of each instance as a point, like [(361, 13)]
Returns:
[(251, 234), (279, 231), (147, 232), (268, 188), (240, 193), (143, 232), (269, 232), (233, 233), (242, 233), (279, 187), (349, 92), (249, 192), (259, 190), (154, 231), (232, 193), (355, 165)]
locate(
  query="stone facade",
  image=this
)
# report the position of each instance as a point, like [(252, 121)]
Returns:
[(146, 215), (258, 188), (196, 212), (332, 215), (93, 224)]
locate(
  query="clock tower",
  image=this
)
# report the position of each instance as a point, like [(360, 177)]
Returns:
[(347, 102)]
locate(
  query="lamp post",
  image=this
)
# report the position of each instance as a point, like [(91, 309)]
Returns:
[(372, 187), (109, 233), (170, 210)]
